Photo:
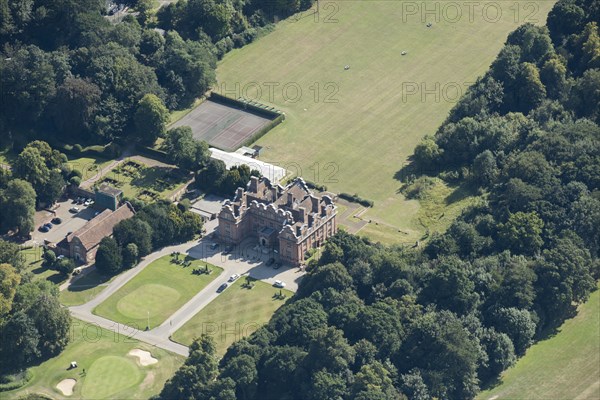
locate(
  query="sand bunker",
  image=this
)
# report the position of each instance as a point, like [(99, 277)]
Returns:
[(66, 386), (144, 356)]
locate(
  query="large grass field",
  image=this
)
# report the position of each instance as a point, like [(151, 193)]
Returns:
[(236, 313), (160, 289), (110, 372), (563, 367), (358, 143)]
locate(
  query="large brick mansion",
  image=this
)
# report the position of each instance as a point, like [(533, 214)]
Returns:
[(290, 219)]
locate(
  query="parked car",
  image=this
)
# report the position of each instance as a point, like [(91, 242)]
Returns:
[(44, 228), (233, 277), (74, 210), (277, 266), (56, 221), (270, 262), (228, 249), (77, 271), (60, 257), (222, 287), (214, 246), (279, 284), (49, 225), (80, 200)]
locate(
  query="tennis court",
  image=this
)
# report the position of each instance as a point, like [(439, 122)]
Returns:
[(222, 126)]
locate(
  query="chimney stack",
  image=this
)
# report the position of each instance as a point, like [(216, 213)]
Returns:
[(253, 184), (323, 212), (290, 199), (302, 212)]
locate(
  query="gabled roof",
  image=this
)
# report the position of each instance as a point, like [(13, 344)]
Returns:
[(297, 189), (101, 226)]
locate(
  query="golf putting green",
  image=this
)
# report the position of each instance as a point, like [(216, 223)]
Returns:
[(135, 305), (110, 375), (156, 292)]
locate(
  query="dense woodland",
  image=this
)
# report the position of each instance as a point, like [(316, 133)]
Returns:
[(33, 324), (38, 176), (86, 76), (376, 322)]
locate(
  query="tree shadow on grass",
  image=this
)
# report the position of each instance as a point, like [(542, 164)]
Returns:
[(461, 192), (248, 283), (491, 384), (279, 296), (410, 171), (38, 270), (407, 171), (159, 179), (92, 280), (57, 278), (189, 258)]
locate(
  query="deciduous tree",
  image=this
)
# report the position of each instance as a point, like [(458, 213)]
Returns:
[(9, 280), (108, 257), (151, 117), (18, 199)]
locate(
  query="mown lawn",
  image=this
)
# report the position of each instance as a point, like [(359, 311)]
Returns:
[(235, 313), (88, 166), (84, 289), (110, 373), (565, 366), (160, 290), (352, 130), (33, 264)]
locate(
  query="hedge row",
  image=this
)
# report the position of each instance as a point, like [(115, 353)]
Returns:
[(15, 381), (219, 98), (262, 131), (111, 150), (151, 152), (357, 199), (238, 40), (317, 186)]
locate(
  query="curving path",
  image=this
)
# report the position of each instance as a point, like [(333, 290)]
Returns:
[(251, 263)]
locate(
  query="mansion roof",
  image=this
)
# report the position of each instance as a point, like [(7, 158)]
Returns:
[(294, 206)]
